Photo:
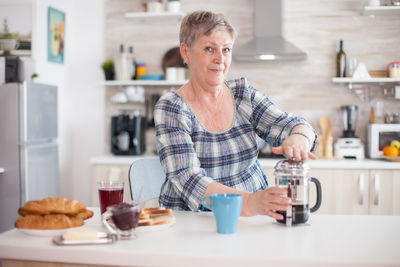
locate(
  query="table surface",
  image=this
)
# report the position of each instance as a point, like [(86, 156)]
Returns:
[(334, 240)]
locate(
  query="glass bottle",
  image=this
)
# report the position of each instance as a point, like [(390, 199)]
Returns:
[(341, 61)]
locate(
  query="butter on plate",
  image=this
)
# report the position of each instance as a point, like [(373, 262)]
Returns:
[(80, 233)]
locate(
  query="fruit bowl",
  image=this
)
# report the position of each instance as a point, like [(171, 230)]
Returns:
[(396, 159)]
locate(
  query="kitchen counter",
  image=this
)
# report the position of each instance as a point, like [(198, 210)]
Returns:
[(270, 163), (334, 240)]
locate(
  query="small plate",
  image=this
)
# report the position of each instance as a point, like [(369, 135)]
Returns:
[(152, 228), (47, 233), (396, 159)]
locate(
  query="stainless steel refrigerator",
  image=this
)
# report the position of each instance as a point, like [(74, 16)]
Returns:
[(28, 147)]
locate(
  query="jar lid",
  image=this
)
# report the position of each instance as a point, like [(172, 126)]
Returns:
[(394, 63), (292, 167)]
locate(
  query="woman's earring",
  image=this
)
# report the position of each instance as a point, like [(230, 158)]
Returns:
[(185, 64)]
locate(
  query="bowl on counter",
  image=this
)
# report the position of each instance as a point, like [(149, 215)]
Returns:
[(152, 77)]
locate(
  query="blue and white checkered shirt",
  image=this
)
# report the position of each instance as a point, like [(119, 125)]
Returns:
[(193, 157)]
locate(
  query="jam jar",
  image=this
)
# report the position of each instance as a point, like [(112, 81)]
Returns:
[(394, 69)]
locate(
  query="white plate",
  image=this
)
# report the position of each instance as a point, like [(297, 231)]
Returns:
[(151, 228), (45, 233), (391, 158)]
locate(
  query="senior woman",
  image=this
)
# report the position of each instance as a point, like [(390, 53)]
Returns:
[(206, 131)]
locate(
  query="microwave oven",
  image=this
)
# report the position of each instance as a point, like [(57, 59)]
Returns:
[(379, 136)]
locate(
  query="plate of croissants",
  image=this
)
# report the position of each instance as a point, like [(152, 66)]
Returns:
[(51, 216)]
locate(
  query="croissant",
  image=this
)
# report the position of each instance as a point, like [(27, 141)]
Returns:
[(49, 221), (85, 214), (52, 206)]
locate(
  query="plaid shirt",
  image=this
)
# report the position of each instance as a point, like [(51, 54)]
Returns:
[(193, 157)]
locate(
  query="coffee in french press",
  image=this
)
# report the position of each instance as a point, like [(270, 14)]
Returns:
[(293, 175)]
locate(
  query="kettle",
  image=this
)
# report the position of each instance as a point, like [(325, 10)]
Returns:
[(294, 175)]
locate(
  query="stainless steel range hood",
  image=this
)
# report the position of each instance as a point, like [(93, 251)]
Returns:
[(268, 43)]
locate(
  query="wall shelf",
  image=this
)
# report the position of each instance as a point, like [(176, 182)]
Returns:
[(382, 10), (363, 88), (150, 15), (141, 15), (370, 81), (157, 83)]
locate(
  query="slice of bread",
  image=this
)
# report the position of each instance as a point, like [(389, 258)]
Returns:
[(155, 216), (159, 220), (154, 212)]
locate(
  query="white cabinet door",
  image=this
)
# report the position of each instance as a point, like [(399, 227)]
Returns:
[(343, 191), (384, 192), (355, 191)]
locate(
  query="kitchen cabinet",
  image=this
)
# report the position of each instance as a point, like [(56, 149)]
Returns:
[(343, 191), (384, 192), (355, 191)]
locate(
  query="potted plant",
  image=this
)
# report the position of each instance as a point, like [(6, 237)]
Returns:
[(109, 70), (174, 5), (8, 40)]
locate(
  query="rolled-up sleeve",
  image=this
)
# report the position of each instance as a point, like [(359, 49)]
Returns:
[(177, 153), (270, 122)]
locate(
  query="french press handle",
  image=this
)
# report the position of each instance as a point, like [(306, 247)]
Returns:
[(319, 194)]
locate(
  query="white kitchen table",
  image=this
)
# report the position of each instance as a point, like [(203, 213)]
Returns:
[(327, 240)]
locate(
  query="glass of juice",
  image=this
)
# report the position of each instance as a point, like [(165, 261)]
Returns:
[(110, 193)]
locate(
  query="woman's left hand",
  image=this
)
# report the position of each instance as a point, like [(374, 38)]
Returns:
[(295, 146)]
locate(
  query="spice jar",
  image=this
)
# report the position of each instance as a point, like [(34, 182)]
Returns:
[(140, 69), (394, 70)]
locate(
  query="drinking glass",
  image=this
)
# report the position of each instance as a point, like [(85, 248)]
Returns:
[(110, 193), (122, 219)]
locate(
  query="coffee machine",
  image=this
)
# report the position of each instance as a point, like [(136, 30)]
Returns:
[(128, 134), (349, 146)]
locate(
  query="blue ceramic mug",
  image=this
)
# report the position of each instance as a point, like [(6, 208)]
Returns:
[(226, 208)]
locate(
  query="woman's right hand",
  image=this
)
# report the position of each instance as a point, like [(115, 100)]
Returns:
[(267, 202)]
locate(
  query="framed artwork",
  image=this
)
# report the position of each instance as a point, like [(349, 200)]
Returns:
[(16, 18), (55, 35)]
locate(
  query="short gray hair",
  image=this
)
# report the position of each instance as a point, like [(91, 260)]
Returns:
[(200, 23)]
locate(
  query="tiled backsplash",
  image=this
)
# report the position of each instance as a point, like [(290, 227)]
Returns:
[(302, 87)]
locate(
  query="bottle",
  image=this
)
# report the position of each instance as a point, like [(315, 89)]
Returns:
[(341, 62), (132, 57), (123, 65), (119, 63)]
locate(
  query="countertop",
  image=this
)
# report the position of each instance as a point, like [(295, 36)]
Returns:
[(270, 163), (327, 240)]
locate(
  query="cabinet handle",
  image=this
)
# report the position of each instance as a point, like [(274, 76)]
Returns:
[(361, 184), (376, 186)]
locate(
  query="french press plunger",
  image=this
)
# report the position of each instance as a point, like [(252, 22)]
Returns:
[(294, 176)]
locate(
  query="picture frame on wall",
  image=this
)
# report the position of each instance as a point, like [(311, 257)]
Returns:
[(55, 35), (16, 22)]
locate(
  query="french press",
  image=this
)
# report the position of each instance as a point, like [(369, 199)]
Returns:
[(293, 175)]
